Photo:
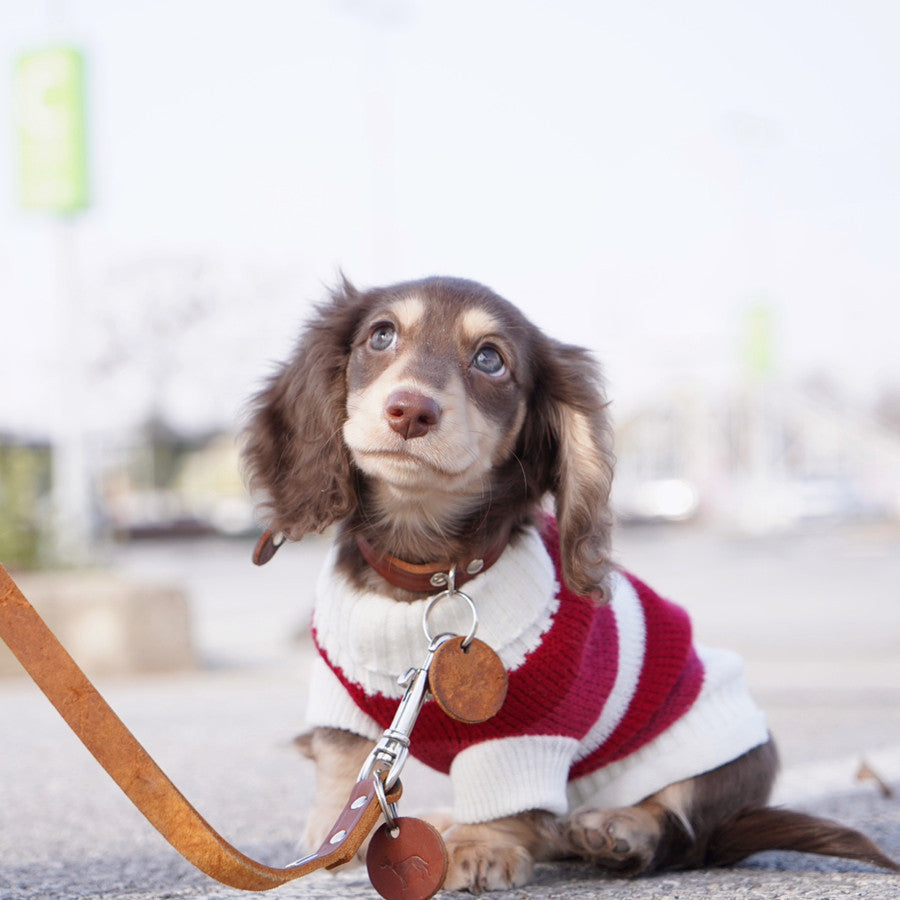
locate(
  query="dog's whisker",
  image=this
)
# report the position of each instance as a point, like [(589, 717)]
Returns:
[(522, 470)]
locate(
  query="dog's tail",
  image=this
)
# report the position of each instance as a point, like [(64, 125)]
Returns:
[(770, 828)]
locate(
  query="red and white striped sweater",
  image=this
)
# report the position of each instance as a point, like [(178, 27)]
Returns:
[(606, 704)]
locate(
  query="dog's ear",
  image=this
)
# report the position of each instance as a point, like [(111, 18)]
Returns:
[(567, 446), (298, 468)]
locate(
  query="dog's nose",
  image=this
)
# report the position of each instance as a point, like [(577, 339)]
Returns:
[(411, 415)]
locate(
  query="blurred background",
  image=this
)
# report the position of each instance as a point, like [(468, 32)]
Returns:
[(706, 194)]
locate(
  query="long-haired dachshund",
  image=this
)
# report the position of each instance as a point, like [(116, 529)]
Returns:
[(431, 421)]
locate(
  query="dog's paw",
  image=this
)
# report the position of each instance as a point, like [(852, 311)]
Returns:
[(623, 840), (480, 860), (439, 819)]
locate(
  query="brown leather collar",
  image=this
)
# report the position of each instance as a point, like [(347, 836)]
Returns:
[(426, 577)]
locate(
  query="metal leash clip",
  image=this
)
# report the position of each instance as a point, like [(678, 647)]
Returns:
[(466, 692), (392, 844), (392, 750)]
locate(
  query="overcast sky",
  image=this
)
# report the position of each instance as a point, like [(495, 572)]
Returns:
[(633, 174)]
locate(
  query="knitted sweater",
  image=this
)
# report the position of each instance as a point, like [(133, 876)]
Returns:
[(606, 704)]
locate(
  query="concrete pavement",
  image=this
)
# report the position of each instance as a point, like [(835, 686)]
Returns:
[(816, 617)]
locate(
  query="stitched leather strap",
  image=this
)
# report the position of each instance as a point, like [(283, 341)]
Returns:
[(144, 783), (417, 576)]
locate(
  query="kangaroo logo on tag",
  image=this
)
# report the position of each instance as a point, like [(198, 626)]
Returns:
[(408, 861)]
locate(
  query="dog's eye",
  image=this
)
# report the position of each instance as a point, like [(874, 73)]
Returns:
[(383, 337), (489, 361)]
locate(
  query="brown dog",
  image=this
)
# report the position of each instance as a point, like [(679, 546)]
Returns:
[(429, 421)]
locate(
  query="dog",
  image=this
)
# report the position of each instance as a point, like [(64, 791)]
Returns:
[(432, 423)]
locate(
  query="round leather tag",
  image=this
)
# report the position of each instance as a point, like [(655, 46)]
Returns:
[(408, 862), (469, 683)]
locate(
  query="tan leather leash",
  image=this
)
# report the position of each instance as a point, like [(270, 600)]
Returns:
[(145, 784)]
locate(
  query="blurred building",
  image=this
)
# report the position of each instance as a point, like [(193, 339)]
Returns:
[(763, 458), (164, 484)]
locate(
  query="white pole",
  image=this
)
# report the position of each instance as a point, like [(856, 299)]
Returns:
[(71, 495)]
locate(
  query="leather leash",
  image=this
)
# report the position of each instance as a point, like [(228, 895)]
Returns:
[(144, 783)]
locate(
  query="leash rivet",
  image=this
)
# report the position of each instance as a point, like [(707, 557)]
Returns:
[(338, 836), (358, 802)]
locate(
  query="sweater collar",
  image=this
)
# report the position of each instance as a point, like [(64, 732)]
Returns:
[(371, 637)]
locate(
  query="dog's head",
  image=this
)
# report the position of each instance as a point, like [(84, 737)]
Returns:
[(434, 406)]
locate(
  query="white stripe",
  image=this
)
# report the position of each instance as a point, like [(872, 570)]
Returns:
[(330, 706), (505, 776), (632, 637)]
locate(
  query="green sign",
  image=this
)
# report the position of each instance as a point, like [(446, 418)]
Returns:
[(759, 339), (51, 130)]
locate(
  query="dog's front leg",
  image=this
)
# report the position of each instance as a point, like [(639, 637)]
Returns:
[(338, 755), (500, 854)]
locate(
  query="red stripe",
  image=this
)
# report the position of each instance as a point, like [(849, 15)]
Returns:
[(670, 681)]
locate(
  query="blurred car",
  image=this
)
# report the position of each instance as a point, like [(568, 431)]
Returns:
[(656, 500)]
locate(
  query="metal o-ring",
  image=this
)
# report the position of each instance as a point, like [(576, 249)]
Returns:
[(388, 809), (442, 595)]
